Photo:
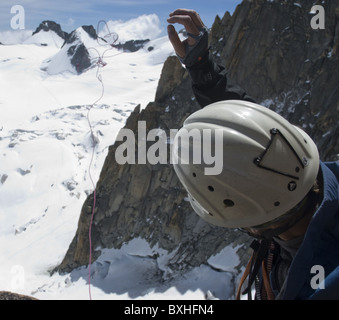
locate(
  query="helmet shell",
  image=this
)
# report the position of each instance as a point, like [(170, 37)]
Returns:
[(268, 165)]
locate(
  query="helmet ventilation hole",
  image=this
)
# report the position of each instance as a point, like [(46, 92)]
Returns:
[(194, 175), (228, 203), (210, 188), (292, 186), (277, 204)]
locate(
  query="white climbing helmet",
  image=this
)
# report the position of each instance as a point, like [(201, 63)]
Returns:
[(268, 165)]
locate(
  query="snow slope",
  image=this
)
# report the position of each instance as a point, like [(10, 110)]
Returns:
[(45, 150)]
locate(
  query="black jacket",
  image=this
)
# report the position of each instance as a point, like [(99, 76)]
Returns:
[(210, 83)]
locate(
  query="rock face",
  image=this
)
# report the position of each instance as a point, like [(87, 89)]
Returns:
[(271, 50)]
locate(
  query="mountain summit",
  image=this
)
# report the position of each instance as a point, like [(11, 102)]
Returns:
[(75, 56), (48, 25)]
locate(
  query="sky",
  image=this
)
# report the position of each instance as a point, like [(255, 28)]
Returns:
[(71, 14)]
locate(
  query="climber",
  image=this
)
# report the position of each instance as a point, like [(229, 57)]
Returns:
[(273, 185)]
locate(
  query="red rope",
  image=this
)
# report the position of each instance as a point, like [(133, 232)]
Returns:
[(112, 38), (93, 184)]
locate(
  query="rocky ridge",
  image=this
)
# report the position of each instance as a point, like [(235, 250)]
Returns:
[(51, 26), (147, 201)]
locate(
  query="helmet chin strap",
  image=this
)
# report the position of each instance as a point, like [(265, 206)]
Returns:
[(306, 207), (292, 217), (272, 233), (262, 245), (269, 234), (265, 235)]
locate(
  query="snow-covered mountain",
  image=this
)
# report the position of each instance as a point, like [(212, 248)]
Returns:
[(77, 54), (48, 33), (45, 152)]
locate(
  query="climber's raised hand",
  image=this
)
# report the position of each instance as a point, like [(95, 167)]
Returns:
[(195, 46)]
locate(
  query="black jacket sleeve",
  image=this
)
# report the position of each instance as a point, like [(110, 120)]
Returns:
[(210, 83)]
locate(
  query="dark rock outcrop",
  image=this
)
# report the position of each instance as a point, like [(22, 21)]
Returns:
[(131, 45), (51, 26), (77, 50), (80, 58), (10, 296), (270, 49)]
